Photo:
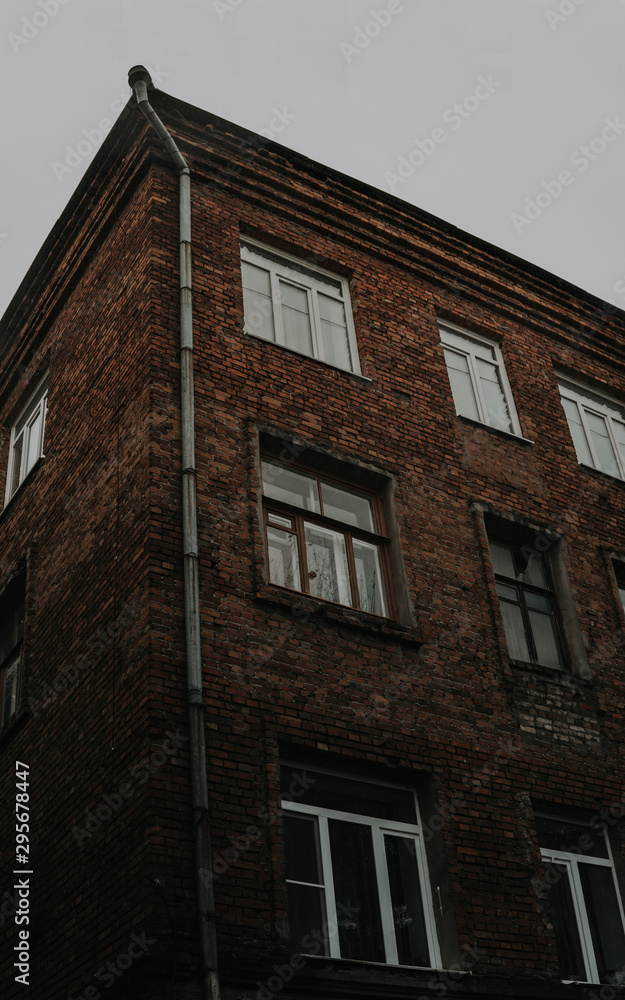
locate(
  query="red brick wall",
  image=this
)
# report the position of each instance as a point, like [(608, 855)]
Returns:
[(103, 511)]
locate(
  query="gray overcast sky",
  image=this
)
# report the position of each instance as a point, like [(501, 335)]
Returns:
[(517, 93)]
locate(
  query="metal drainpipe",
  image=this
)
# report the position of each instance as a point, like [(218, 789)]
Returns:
[(139, 80)]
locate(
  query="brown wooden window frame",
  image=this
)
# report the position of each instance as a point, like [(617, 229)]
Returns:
[(521, 556), (300, 517)]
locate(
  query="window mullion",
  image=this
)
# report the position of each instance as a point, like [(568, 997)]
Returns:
[(351, 570), (44, 410), (589, 438), (619, 460), (328, 878), (384, 896), (579, 904), (315, 318), (529, 635), (277, 307), (300, 529), (477, 389)]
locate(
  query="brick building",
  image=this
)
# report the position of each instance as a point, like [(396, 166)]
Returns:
[(396, 561)]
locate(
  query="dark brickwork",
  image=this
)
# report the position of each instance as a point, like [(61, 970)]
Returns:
[(431, 701)]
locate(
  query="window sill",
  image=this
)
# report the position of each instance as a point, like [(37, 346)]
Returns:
[(494, 430), (310, 357), (600, 472), (303, 607), (364, 965), (561, 674)]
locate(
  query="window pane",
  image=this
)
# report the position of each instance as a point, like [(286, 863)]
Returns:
[(7, 636), (369, 577), (564, 921), (606, 927), (461, 385), (408, 918), (291, 487), (307, 919), (619, 434), (621, 591), (535, 572), (348, 507), (602, 443), (9, 697), (282, 522), (496, 406), (34, 436), (283, 558), (356, 891), (513, 625), (301, 849), (545, 638), (258, 307), (296, 318), (538, 602), (334, 332), (17, 463), (502, 559), (331, 791), (574, 838), (577, 431), (328, 576), (32, 406)]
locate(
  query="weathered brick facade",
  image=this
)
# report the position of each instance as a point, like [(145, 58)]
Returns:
[(430, 700)]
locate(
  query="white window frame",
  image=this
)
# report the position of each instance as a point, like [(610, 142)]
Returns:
[(379, 827), (587, 400), (472, 346), (571, 862), (34, 408), (310, 280)]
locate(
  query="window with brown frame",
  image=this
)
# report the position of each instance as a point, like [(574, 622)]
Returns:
[(528, 604), (11, 634), (325, 538), (619, 572)]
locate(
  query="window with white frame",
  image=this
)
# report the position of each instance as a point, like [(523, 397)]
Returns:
[(356, 872), (11, 634), (305, 309), (478, 380), (597, 426), (325, 538), (585, 903), (26, 446)]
